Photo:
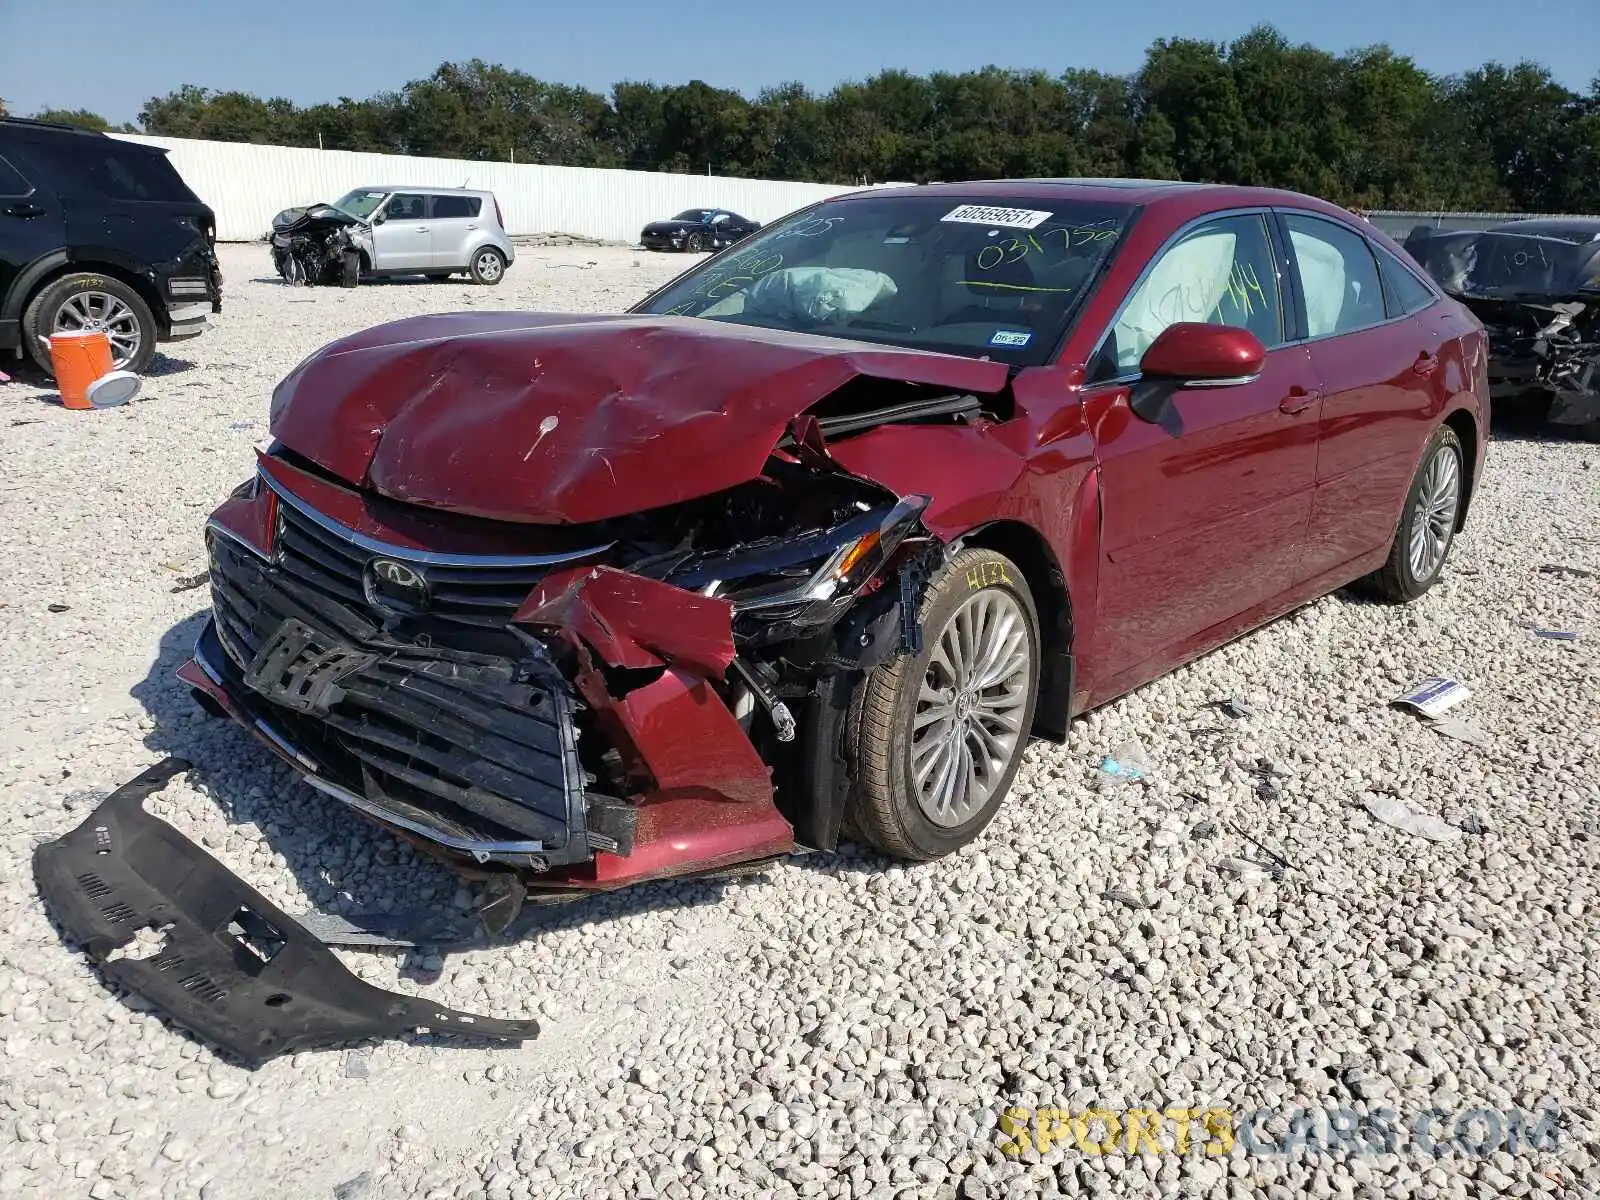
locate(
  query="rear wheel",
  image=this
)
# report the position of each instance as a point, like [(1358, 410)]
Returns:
[(1428, 523), (939, 735), (87, 301), (488, 266)]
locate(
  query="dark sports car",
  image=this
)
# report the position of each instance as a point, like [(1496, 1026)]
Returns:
[(1535, 285), (697, 230)]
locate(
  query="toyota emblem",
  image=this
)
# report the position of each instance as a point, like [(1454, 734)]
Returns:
[(396, 587)]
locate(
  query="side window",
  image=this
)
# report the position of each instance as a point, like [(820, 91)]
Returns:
[(1221, 273), (446, 208), (406, 206), (1338, 276), (1405, 292), (12, 183)]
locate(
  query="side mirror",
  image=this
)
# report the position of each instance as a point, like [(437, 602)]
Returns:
[(379, 217), (1194, 355)]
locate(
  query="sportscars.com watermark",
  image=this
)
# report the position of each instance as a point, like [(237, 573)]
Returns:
[(911, 1129), (1264, 1132)]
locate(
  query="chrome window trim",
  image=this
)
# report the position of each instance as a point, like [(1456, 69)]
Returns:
[(408, 554), (1177, 236)]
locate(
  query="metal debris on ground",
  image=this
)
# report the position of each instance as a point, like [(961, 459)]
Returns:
[(1475, 823), (1394, 812), (1557, 635), (1566, 570), (1266, 777), (1235, 707), (1434, 696), (358, 1064), (187, 583), (1204, 831), (1249, 870), (1124, 897), (354, 1189), (58, 608), (1130, 763), (1461, 731)]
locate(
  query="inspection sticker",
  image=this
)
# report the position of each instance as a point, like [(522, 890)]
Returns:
[(1011, 337), (982, 214)]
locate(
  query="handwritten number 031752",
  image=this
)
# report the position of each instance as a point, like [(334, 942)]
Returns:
[(1015, 249)]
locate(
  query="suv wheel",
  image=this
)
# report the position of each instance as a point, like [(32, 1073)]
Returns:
[(488, 266), (86, 301)]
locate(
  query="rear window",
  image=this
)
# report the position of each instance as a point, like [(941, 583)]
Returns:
[(12, 181), (111, 168), (1405, 293), (445, 207)]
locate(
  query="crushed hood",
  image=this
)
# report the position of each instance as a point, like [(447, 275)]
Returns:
[(554, 419)]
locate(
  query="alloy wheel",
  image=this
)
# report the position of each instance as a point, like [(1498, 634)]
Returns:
[(967, 725), (87, 312), (1433, 517), (489, 266)]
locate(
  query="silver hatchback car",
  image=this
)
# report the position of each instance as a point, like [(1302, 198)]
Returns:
[(438, 232)]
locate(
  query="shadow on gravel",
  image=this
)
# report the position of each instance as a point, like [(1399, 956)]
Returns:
[(250, 786)]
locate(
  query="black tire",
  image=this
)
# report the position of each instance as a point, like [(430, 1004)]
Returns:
[(482, 271), (884, 810), (39, 318), (695, 243), (1399, 580), (349, 269)]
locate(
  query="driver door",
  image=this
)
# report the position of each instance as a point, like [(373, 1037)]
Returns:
[(403, 241), (1205, 515)]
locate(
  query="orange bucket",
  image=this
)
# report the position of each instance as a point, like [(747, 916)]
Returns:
[(79, 359)]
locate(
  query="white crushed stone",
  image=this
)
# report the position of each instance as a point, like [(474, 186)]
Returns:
[(1144, 948)]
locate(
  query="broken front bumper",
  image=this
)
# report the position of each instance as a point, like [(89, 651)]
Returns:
[(473, 755), (224, 962)]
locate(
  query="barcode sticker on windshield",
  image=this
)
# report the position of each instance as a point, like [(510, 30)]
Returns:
[(1012, 218)]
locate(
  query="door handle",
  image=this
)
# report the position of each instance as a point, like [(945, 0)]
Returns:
[(1298, 400), (1426, 364), (25, 209), (421, 228)]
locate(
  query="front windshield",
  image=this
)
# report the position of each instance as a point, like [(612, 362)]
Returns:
[(694, 214), (997, 279), (362, 202)]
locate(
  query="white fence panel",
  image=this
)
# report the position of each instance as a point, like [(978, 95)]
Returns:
[(247, 184)]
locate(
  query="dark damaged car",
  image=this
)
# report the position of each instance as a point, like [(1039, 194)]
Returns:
[(1535, 285), (817, 537)]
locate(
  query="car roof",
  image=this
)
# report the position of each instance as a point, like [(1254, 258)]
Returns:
[(1175, 194), (29, 130), (1549, 225), (418, 187)]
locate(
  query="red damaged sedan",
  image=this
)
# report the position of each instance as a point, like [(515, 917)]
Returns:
[(817, 537)]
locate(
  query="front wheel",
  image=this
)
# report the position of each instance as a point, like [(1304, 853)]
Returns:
[(695, 243), (938, 735), (1428, 523), (488, 267)]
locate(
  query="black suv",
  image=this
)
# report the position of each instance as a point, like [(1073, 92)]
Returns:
[(99, 233)]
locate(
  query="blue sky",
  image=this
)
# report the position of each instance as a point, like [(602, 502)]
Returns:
[(115, 56)]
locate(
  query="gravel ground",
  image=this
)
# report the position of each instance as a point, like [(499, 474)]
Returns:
[(1206, 939)]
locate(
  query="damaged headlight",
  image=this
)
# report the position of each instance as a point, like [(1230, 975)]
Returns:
[(808, 579)]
